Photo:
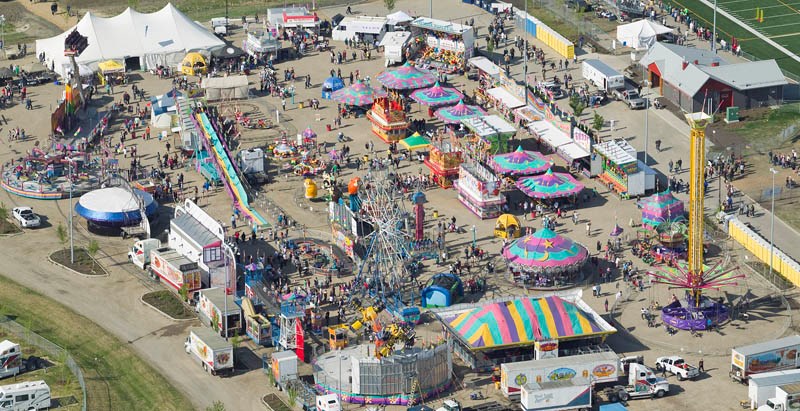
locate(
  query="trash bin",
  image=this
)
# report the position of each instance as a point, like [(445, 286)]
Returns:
[(328, 127), (435, 213), (300, 104)]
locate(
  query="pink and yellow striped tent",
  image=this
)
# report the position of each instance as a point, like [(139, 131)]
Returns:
[(524, 321)]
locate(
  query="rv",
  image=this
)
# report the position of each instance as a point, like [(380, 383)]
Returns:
[(365, 28), (10, 359), (602, 75), (25, 396)]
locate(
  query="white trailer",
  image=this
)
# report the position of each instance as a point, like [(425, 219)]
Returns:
[(213, 351), (364, 28), (219, 310), (761, 387), (284, 367), (574, 394), (10, 359), (25, 396), (599, 367), (176, 270), (394, 46), (602, 75), (775, 355)]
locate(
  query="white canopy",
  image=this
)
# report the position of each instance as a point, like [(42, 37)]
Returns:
[(160, 38), (573, 151), (640, 34), (398, 17), (505, 98), (548, 133), (226, 88)]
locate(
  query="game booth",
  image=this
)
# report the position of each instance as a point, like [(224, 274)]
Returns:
[(487, 136), (507, 226), (488, 73), (447, 46), (504, 101), (444, 159), (479, 190), (616, 165)]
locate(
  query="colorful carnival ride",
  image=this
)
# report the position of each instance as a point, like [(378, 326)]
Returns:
[(696, 311), (443, 160), (550, 186), (479, 190), (388, 119), (545, 260)]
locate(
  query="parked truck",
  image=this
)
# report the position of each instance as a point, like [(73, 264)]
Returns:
[(213, 351), (677, 366), (761, 387), (775, 355), (642, 383), (10, 359), (601, 367), (574, 394), (25, 396), (139, 254), (175, 269), (328, 402), (602, 75), (787, 397)]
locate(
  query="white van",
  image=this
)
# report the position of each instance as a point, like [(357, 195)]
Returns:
[(328, 402)]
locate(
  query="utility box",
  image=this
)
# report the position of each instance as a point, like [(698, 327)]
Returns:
[(732, 114)]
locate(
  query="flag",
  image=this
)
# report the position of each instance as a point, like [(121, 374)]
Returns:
[(78, 131)]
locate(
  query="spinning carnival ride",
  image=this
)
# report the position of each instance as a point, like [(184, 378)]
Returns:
[(696, 312), (384, 274)]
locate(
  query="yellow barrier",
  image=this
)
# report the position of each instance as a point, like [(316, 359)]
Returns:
[(760, 247)]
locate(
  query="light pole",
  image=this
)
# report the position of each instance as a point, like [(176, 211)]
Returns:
[(3, 32), (772, 222), (69, 180), (714, 34), (525, 53), (474, 240), (646, 83)]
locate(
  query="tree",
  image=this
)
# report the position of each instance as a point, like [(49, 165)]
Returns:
[(598, 122), (577, 104), (92, 248), (184, 292), (216, 406), (490, 47), (3, 214), (389, 4), (62, 234)]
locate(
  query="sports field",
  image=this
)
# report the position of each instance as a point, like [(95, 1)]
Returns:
[(778, 20)]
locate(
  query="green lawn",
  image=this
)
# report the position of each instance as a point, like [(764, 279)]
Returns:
[(116, 378), (749, 42)]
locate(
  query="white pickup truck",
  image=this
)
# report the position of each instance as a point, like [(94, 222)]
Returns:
[(678, 366)]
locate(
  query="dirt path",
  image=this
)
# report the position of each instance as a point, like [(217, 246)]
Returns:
[(42, 10)]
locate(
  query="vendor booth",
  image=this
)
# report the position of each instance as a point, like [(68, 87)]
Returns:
[(226, 57), (292, 17), (488, 72), (111, 70), (194, 64), (507, 226), (446, 46), (261, 44), (616, 165), (361, 28), (504, 101), (489, 135), (443, 161), (525, 115), (479, 190), (549, 135)]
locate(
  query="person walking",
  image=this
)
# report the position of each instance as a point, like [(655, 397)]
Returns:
[(700, 366), (283, 104), (606, 304), (589, 228)]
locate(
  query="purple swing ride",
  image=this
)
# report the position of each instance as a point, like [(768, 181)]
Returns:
[(696, 311)]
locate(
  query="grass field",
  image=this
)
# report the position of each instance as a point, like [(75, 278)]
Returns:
[(116, 378), (781, 24)]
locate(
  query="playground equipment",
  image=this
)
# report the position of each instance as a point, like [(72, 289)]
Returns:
[(696, 312), (257, 327)]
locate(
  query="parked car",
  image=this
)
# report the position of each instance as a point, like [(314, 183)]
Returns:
[(26, 217), (678, 366), (631, 98), (554, 89)]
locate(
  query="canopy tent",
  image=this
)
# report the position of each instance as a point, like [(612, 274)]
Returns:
[(358, 94), (573, 151), (502, 96), (227, 51), (194, 64), (226, 88), (437, 95), (461, 111), (260, 42), (524, 321), (398, 17), (640, 34), (549, 134), (415, 142), (160, 38), (110, 67), (545, 252), (330, 85)]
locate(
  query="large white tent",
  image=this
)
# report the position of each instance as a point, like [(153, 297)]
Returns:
[(144, 39), (640, 34)]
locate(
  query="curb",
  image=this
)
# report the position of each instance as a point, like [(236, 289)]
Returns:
[(80, 274), (10, 235), (141, 299)]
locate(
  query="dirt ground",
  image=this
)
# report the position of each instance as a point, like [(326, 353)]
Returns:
[(27, 26)]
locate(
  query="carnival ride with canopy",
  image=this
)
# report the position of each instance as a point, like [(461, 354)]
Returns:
[(696, 311), (545, 259), (520, 163)]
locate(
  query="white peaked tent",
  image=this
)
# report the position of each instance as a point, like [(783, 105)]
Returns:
[(152, 39), (640, 34), (398, 17)]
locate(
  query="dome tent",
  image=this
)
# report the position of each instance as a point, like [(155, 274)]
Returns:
[(330, 85)]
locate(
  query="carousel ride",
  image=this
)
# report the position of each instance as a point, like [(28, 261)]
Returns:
[(545, 259), (696, 311)]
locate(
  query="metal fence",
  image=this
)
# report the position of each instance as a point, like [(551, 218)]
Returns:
[(48, 347)]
